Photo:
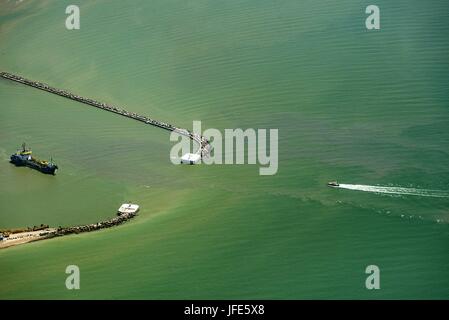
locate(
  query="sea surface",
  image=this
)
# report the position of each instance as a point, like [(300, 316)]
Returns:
[(367, 108)]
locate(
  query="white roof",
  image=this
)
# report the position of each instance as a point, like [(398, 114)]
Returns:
[(128, 208), (191, 157)]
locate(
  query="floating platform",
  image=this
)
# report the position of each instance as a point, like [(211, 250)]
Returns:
[(191, 158), (128, 208)]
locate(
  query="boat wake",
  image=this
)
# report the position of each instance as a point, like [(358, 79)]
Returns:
[(396, 190)]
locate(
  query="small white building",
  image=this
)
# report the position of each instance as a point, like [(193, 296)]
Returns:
[(128, 208), (190, 158)]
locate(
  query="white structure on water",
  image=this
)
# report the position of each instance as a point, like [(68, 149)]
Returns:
[(128, 208), (191, 158)]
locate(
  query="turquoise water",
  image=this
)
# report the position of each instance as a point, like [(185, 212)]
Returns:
[(364, 108)]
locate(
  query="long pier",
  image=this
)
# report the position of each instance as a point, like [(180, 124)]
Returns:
[(204, 146)]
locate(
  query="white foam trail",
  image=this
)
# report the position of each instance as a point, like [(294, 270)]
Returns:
[(397, 190)]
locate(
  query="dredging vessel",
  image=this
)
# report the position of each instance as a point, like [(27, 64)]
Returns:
[(24, 158)]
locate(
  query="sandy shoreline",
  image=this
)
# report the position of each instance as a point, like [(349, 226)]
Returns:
[(25, 237), (47, 233)]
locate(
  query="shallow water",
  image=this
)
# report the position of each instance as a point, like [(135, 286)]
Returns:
[(350, 105)]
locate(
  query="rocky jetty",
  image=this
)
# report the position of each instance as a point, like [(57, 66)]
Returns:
[(62, 231), (204, 149), (9, 240)]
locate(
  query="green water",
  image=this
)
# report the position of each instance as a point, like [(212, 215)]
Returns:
[(368, 108)]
